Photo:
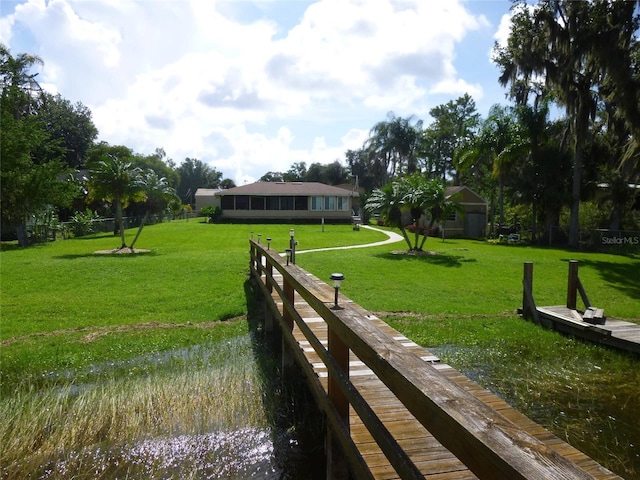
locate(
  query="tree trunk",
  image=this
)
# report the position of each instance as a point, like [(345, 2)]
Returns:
[(424, 240), (21, 233), (582, 119), (406, 237), (119, 221), (135, 239)]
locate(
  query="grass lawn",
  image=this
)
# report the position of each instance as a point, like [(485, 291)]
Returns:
[(64, 307), (65, 312), (468, 277)]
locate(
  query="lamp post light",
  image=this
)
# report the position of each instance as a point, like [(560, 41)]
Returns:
[(268, 243), (292, 245), (288, 252), (337, 279)]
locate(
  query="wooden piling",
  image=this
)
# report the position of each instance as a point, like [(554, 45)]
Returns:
[(337, 465), (572, 285)]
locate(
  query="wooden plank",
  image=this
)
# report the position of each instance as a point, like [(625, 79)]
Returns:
[(434, 394)]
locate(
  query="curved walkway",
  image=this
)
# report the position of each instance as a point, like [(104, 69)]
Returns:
[(393, 238)]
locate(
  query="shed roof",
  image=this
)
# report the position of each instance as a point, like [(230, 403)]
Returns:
[(286, 189), (464, 195)]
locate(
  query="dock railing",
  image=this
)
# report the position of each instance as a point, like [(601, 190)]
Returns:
[(486, 442)]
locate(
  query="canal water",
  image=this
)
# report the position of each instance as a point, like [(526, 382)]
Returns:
[(279, 436)]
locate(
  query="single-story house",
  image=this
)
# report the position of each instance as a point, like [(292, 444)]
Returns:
[(286, 201)]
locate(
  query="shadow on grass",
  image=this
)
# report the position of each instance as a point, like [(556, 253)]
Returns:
[(624, 277), (76, 256), (298, 425), (443, 260), (13, 246)]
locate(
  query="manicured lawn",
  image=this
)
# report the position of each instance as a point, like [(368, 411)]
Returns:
[(469, 277), (70, 317), (64, 306)]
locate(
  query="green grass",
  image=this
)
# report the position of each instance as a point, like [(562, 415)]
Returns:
[(468, 277), (72, 318), (65, 307)]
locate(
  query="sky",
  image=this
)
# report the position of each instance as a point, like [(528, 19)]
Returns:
[(250, 87)]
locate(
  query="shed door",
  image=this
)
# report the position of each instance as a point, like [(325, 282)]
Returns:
[(474, 224)]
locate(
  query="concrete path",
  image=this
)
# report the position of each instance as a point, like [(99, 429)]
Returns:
[(393, 238)]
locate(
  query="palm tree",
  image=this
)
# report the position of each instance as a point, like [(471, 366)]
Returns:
[(388, 202), (561, 41), (415, 194), (501, 143), (396, 141), (440, 208), (116, 180), (17, 82), (158, 193)]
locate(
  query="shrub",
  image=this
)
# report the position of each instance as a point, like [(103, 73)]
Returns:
[(82, 223), (214, 213)]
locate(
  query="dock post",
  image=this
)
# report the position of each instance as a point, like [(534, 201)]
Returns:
[(337, 465), (572, 285), (268, 314), (288, 360), (527, 289)]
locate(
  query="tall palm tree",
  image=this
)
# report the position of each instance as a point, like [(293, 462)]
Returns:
[(501, 143), (560, 40), (116, 180), (396, 141), (157, 192)]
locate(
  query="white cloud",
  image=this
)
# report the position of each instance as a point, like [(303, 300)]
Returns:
[(6, 24), (233, 90)]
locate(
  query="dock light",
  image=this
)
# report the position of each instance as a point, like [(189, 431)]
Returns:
[(268, 243), (259, 237), (288, 252), (251, 234), (292, 245), (337, 279)]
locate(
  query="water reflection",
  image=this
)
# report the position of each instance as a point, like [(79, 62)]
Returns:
[(242, 454)]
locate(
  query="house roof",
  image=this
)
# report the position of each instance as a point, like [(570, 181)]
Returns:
[(206, 192), (285, 189), (464, 195)]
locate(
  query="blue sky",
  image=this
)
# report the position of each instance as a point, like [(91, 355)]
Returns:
[(254, 86)]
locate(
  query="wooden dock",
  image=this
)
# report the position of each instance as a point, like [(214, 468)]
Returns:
[(394, 411), (611, 332)]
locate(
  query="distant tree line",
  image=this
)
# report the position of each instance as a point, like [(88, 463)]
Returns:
[(536, 168), (50, 155), (332, 174)]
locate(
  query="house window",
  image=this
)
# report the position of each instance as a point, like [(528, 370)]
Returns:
[(227, 202), (257, 203), (302, 203), (242, 202), (286, 203), (273, 203), (343, 204), (330, 203), (453, 216), (316, 203)]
